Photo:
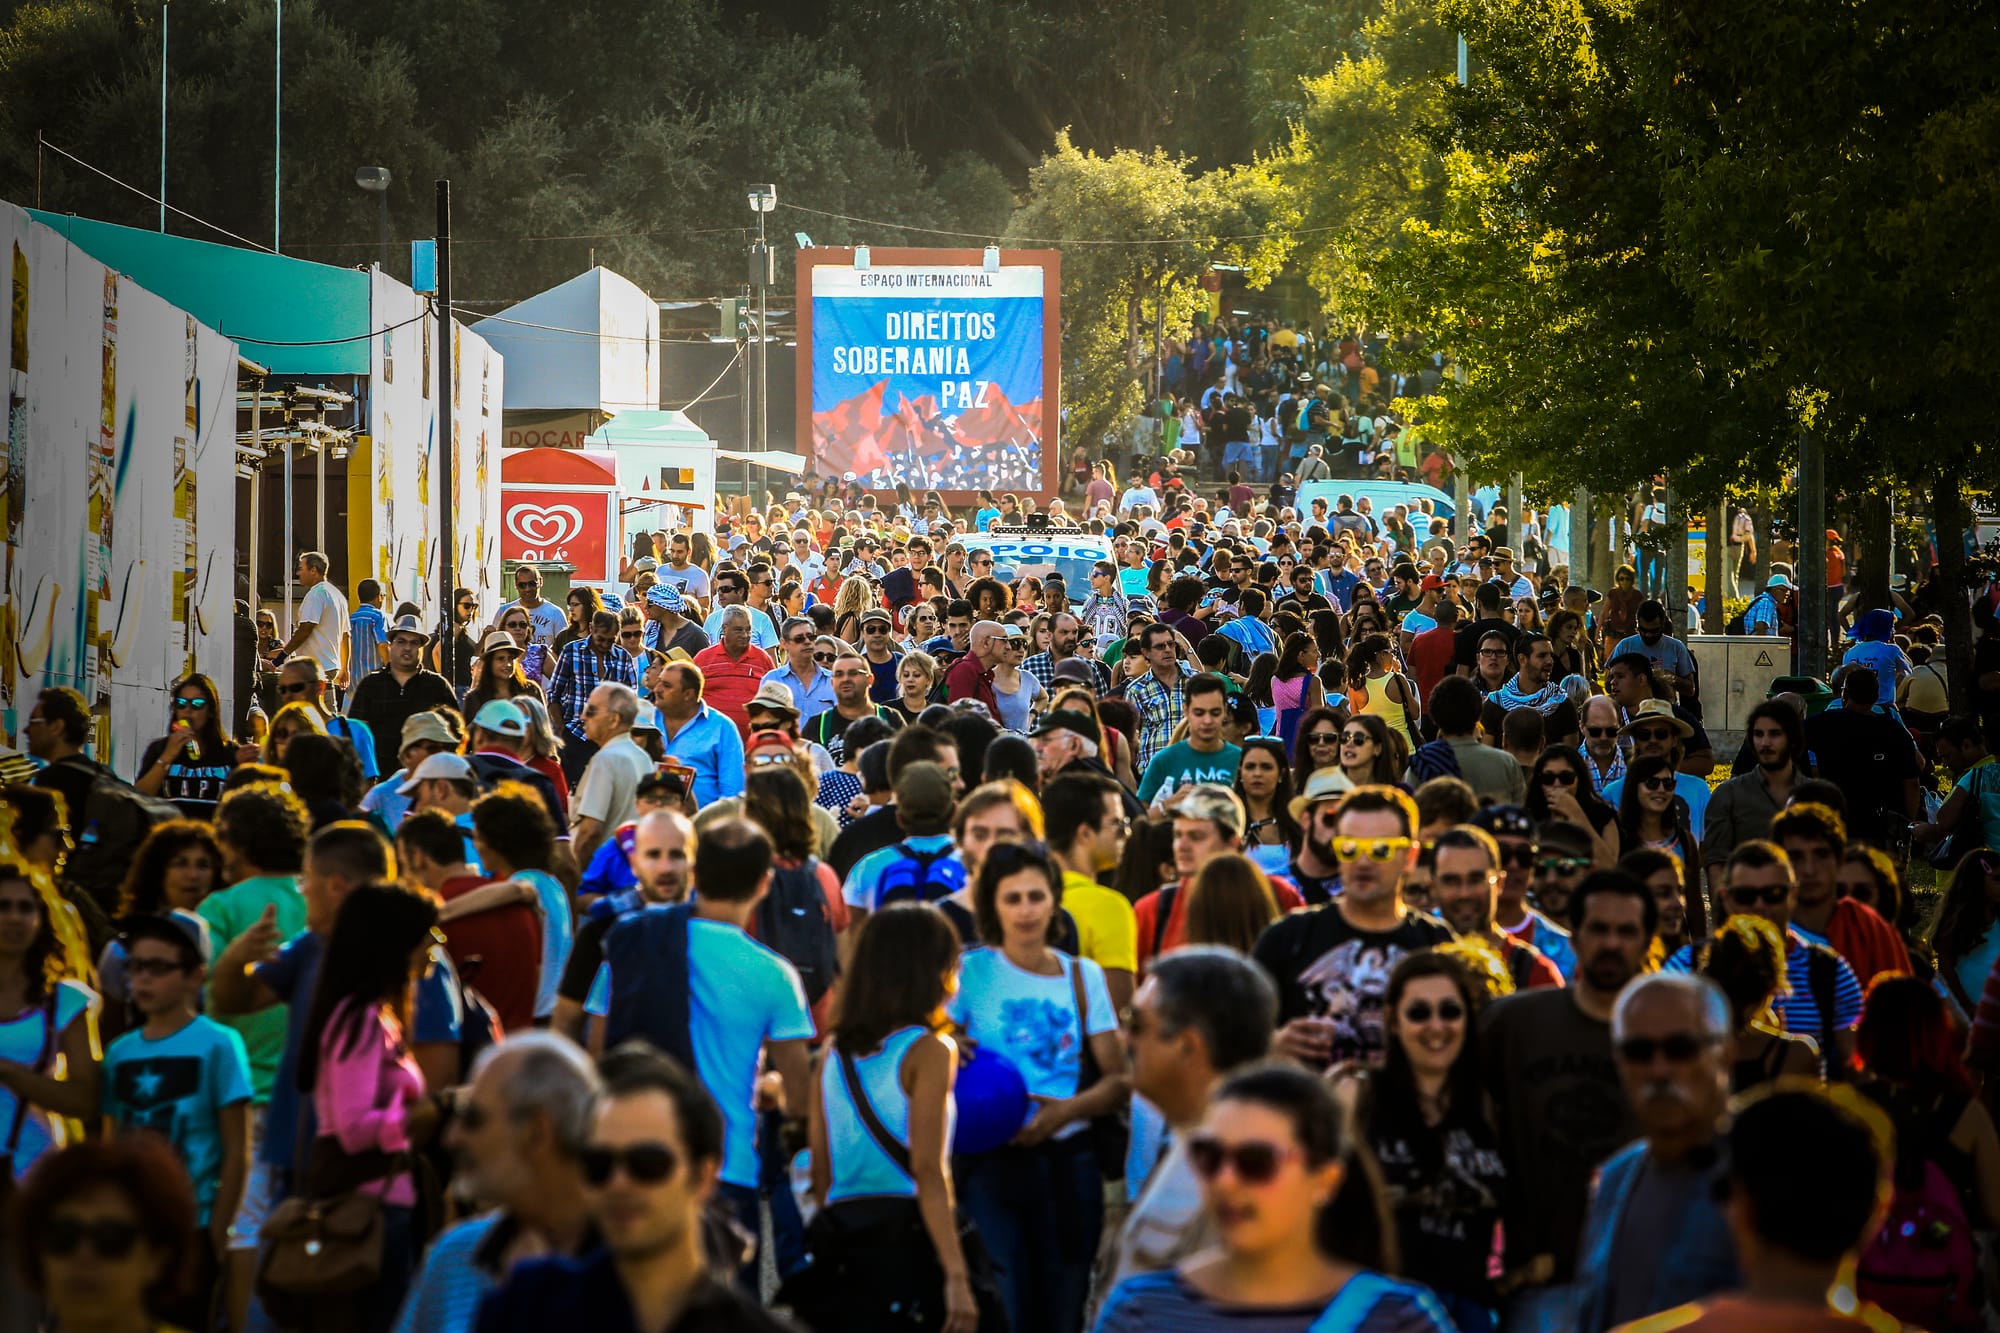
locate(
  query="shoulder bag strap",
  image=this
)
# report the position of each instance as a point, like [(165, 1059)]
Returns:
[(857, 1094), (1087, 1070), (1351, 1304), (47, 1054)]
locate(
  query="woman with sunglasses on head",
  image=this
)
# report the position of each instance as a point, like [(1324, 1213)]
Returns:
[(1265, 784), (1652, 814), (1423, 1115), (107, 1240), (366, 1089), (879, 1122), (1965, 932), (1303, 1240), (1039, 1202), (189, 764), (1559, 788), (920, 625)]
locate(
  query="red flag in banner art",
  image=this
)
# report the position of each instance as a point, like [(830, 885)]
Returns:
[(849, 433)]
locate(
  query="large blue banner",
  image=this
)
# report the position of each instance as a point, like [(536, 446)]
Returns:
[(929, 375)]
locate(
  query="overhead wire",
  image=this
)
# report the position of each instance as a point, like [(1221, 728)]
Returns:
[(155, 199)]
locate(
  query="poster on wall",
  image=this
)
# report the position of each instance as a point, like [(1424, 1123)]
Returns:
[(928, 367)]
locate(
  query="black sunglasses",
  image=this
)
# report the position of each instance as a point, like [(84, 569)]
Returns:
[(1558, 777), (1770, 895), (1420, 1011), (111, 1237), (823, 657), (1661, 783), (1323, 738), (1518, 854), (1679, 1048), (643, 1163), (296, 687)]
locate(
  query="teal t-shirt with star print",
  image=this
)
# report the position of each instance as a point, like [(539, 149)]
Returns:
[(177, 1087)]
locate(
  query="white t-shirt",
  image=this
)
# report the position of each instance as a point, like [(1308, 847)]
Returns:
[(610, 782), (693, 579), (1031, 1019), (326, 610), (544, 622)]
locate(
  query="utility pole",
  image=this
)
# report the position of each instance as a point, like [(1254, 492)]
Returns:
[(446, 540), (163, 116), (278, 130), (1809, 577)]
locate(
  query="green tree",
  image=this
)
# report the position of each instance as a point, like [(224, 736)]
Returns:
[(1137, 231)]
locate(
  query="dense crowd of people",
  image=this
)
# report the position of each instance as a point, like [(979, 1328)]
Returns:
[(1309, 924)]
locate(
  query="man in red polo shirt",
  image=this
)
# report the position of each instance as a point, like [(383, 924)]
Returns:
[(1431, 651), (971, 677), (494, 938)]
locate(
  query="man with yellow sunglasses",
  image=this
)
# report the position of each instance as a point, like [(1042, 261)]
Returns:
[(1332, 963)]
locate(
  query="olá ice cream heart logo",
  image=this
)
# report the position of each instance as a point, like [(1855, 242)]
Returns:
[(544, 526)]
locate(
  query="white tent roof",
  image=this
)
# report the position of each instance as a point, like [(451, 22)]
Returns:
[(591, 343)]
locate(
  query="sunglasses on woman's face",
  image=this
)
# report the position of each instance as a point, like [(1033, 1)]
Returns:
[(1659, 783), (1323, 738), (1557, 777), (111, 1237), (1254, 1162), (642, 1163), (1356, 738), (191, 703), (1419, 1012)]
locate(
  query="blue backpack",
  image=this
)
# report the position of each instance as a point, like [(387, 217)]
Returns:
[(648, 954), (919, 877)]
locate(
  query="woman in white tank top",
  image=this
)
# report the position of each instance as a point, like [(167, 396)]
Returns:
[(885, 1187)]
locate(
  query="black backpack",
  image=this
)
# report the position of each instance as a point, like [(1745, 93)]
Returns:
[(792, 922), (114, 821)]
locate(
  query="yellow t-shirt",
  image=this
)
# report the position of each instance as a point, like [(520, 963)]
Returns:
[(1107, 931)]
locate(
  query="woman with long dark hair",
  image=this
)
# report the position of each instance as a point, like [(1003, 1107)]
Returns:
[(1230, 903), (1370, 755), (1039, 1202), (1317, 744), (1965, 934), (366, 1089), (879, 1121), (1303, 1239), (1295, 687), (177, 866), (48, 1038), (499, 674), (1265, 784), (1559, 788), (1375, 677), (1652, 814), (1424, 1117), (190, 763), (582, 603)]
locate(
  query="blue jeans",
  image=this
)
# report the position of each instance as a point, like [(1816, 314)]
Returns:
[(1039, 1210)]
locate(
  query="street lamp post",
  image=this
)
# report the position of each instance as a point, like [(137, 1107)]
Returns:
[(376, 181), (278, 127), (163, 115), (763, 199)]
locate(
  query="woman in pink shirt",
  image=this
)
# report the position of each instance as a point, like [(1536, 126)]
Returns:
[(367, 1092)]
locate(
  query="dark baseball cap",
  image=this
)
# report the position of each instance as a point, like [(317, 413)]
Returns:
[(1069, 719)]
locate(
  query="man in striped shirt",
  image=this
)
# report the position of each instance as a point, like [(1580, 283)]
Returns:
[(368, 628), (585, 664), (1825, 998)]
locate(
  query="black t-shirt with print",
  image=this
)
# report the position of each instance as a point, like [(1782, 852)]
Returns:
[(1326, 968), (195, 788)]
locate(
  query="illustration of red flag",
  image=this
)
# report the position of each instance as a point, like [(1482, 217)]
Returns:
[(848, 432)]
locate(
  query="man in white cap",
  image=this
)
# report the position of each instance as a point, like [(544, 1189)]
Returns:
[(499, 730), (667, 628), (444, 782), (1764, 614)]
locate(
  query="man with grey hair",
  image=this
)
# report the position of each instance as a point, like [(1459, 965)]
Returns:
[(1655, 1237), (320, 629), (606, 797), (301, 681), (810, 685), (518, 1132), (1201, 1013), (1601, 755)]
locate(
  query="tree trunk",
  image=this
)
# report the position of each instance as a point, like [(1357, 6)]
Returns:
[(1868, 547), (1948, 513), (1717, 582)]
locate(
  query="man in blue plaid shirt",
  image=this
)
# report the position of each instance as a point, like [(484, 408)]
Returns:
[(583, 665), (1064, 632), (1160, 696)]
